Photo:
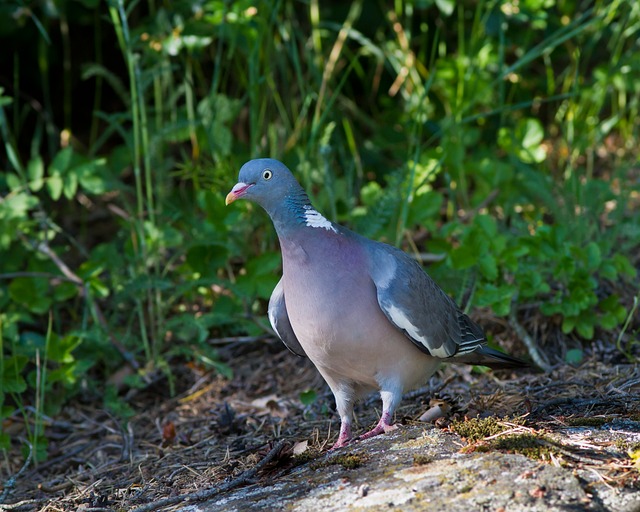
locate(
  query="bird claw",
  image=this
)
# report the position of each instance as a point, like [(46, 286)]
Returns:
[(340, 444), (380, 428), (344, 438)]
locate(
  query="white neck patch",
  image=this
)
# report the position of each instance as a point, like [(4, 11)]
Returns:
[(315, 220)]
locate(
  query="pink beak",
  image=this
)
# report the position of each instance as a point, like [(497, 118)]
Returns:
[(238, 190)]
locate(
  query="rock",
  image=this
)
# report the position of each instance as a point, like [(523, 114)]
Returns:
[(415, 469)]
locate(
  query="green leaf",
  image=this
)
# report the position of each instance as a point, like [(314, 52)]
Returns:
[(487, 224), (13, 182), (488, 266), (266, 263), (623, 265), (60, 349), (593, 256), (66, 373), (531, 283), (11, 379), (608, 321), (256, 285), (35, 171), (574, 356), (57, 181), (446, 6), (585, 326), (568, 324), (496, 297), (531, 132), (65, 291), (98, 288), (608, 270), (92, 176), (424, 208), (61, 162), (462, 258), (613, 313), (16, 206), (524, 141), (308, 396), (54, 185), (70, 185), (31, 293)]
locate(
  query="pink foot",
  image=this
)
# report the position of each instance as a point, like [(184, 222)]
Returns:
[(383, 426)]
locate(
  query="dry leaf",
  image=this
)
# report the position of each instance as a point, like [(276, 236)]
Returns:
[(437, 410), (272, 405), (300, 447), (168, 433)]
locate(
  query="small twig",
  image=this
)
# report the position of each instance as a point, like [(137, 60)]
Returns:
[(11, 482), (515, 429), (210, 493), (602, 478), (23, 504), (532, 347), (44, 248), (429, 257)]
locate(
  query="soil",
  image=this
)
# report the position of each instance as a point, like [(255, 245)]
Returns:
[(571, 437)]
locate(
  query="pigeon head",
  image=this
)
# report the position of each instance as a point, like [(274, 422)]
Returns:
[(266, 182)]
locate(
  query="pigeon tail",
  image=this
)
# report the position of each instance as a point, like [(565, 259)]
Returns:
[(494, 359)]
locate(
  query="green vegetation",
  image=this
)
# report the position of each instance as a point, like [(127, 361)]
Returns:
[(422, 460), (347, 461), (476, 429), (593, 421), (500, 138), (533, 446), (482, 434)]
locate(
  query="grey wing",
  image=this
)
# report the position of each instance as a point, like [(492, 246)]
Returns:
[(280, 320), (415, 304)]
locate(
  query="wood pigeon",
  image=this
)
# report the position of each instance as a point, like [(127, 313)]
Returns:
[(365, 313)]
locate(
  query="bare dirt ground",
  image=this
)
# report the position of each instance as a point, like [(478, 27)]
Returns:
[(216, 434)]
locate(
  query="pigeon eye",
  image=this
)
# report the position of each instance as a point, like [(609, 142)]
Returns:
[(267, 174)]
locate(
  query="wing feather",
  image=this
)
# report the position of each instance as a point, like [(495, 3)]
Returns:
[(415, 304), (279, 319)]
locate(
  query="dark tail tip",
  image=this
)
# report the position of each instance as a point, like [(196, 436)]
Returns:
[(494, 359)]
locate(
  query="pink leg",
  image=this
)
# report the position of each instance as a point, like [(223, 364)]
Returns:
[(345, 435), (343, 393)]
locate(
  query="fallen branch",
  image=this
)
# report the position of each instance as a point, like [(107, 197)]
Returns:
[(539, 358), (11, 482), (210, 493)]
